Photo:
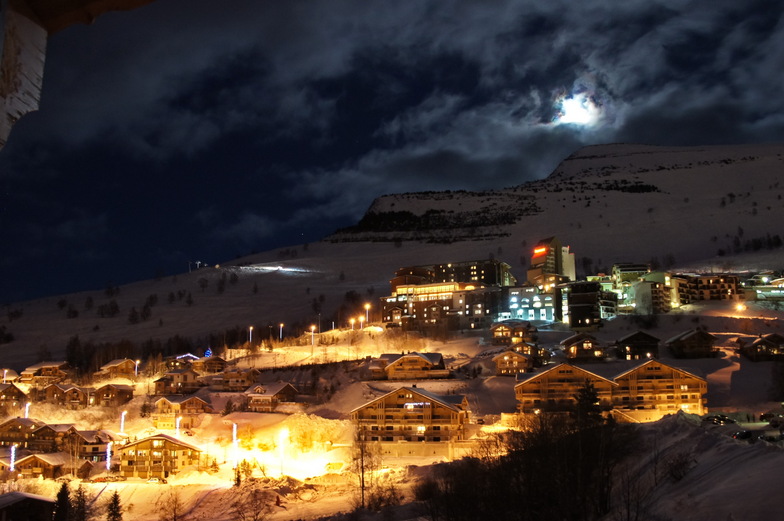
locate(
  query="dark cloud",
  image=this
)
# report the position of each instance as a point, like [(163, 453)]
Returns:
[(195, 129)]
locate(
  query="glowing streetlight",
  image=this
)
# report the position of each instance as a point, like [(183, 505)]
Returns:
[(109, 456), (177, 426), (250, 335), (136, 369), (5, 372), (27, 410), (361, 319), (352, 323), (12, 467), (283, 438), (281, 332), (122, 422), (367, 313), (235, 443)]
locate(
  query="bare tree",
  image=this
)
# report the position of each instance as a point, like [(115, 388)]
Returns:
[(251, 503), (170, 506), (365, 460)]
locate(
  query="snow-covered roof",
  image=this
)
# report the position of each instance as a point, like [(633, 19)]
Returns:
[(451, 401), (688, 334), (268, 389), (10, 498), (165, 437), (114, 363), (524, 378), (635, 334)]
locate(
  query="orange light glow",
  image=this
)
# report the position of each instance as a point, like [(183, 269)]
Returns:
[(540, 251)]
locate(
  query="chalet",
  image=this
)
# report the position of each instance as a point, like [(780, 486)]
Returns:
[(208, 365), (631, 391), (93, 445), (582, 347), (763, 347), (52, 465), (554, 389), (180, 361), (157, 456), (121, 368), (511, 363), (413, 366), (237, 379), (12, 397), (413, 414), (267, 397), (68, 395), (510, 332), (51, 437), (21, 505), (637, 346), (188, 408), (44, 373), (651, 390), (694, 343), (539, 355), (18, 431), (178, 381), (113, 395)]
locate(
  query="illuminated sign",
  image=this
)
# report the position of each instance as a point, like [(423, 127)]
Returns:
[(540, 251)]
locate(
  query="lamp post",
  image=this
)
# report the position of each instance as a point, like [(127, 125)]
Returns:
[(312, 339), (5, 372), (177, 426), (136, 369), (367, 313), (250, 335), (122, 422), (280, 336), (361, 319), (27, 410), (352, 323), (109, 456)]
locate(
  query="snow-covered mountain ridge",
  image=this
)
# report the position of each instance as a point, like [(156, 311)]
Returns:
[(704, 208)]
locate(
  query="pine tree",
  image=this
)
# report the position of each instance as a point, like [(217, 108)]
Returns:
[(62, 505), (114, 508), (80, 506)]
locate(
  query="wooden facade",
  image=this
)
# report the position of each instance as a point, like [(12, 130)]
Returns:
[(157, 456), (412, 414)]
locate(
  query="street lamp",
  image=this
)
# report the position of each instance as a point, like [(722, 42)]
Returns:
[(27, 410), (367, 313), (281, 332), (361, 319), (312, 339), (122, 422), (136, 369), (352, 323), (250, 335)]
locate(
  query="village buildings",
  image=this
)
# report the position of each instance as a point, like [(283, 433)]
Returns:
[(157, 456)]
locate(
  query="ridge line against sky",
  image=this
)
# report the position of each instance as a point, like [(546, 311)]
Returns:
[(186, 130)]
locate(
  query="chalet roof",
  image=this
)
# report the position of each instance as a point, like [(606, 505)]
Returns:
[(433, 358), (11, 498), (511, 352), (684, 335), (637, 333), (452, 401), (577, 338), (655, 361), (181, 399), (4, 387), (164, 437), (57, 427), (25, 422), (514, 323), (209, 358), (120, 387), (269, 389), (115, 363), (54, 459), (41, 365), (521, 379), (68, 387), (101, 436)]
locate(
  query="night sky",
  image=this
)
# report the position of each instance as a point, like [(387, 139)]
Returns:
[(200, 130)]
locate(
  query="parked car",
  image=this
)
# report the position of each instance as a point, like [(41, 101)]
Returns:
[(718, 419), (742, 435), (156, 480)]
